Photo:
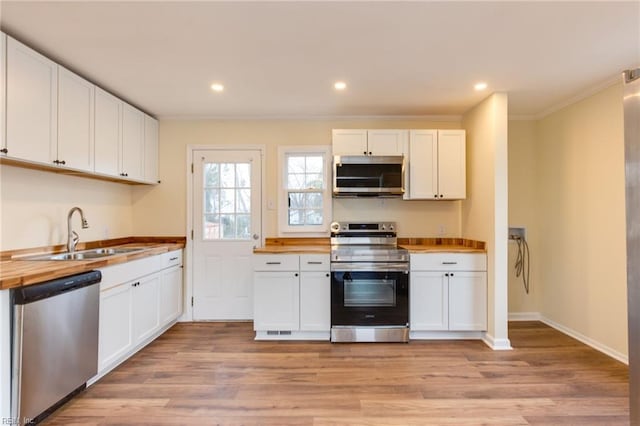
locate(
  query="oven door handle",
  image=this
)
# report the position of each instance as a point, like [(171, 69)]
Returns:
[(370, 267)]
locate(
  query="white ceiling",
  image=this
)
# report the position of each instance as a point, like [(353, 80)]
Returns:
[(280, 59)]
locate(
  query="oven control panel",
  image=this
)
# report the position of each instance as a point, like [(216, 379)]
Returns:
[(363, 227)]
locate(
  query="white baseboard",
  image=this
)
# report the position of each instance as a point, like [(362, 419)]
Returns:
[(496, 344), (587, 341), (525, 316), (536, 316)]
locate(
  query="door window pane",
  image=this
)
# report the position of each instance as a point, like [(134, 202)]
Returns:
[(227, 201)]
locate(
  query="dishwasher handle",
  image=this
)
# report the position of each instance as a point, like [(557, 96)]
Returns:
[(33, 293)]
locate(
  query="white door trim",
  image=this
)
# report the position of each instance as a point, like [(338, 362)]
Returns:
[(187, 312)]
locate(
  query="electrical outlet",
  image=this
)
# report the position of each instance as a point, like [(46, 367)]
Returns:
[(516, 233)]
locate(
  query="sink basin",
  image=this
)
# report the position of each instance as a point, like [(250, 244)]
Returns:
[(85, 254)]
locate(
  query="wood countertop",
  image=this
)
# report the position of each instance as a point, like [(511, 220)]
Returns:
[(15, 272), (441, 248), (414, 245)]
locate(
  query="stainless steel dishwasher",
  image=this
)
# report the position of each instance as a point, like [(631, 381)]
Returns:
[(55, 343)]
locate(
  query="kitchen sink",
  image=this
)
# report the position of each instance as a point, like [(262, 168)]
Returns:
[(84, 254)]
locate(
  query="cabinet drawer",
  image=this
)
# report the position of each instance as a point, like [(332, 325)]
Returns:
[(172, 258), (449, 262), (275, 262), (314, 262)]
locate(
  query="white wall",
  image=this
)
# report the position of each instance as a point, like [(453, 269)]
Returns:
[(523, 211), (580, 256), (161, 210), (35, 206), (484, 212)]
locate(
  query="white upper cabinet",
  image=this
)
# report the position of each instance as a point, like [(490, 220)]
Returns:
[(132, 153), (150, 149), (75, 121), (32, 104), (349, 142), (55, 118), (452, 173), (369, 142), (423, 164), (108, 132), (3, 92), (387, 142), (437, 165)]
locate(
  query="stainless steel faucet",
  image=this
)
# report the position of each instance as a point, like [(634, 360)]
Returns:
[(72, 237)]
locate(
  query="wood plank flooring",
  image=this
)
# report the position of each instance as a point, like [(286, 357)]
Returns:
[(216, 374)]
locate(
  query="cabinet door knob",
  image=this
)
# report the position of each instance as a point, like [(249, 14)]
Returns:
[(364, 152), (327, 275), (369, 152), (435, 195), (441, 195), (4, 150), (296, 274)]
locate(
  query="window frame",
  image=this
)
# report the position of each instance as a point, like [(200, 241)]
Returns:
[(284, 228)]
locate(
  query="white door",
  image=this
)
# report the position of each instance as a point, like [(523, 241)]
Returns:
[(227, 226)]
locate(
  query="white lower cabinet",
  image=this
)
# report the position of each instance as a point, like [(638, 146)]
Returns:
[(116, 334), (139, 300), (146, 303), (291, 297), (448, 295), (277, 296), (170, 294)]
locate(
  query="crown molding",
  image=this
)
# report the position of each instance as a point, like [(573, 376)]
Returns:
[(590, 91), (443, 118)]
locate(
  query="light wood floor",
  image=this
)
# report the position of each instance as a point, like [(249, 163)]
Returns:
[(214, 373)]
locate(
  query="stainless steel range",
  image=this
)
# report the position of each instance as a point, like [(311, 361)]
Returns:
[(369, 283)]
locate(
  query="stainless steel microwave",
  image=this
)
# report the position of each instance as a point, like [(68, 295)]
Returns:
[(368, 175)]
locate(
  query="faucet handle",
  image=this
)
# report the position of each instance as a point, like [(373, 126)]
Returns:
[(74, 238)]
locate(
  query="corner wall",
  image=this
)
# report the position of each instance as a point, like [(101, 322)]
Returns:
[(580, 209), (484, 212)]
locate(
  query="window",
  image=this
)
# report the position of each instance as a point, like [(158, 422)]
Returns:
[(305, 204)]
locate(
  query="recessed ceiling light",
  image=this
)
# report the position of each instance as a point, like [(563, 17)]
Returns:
[(217, 87), (340, 85), (480, 86)]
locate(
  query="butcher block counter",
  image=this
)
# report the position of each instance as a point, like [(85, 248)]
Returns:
[(15, 272), (414, 245)]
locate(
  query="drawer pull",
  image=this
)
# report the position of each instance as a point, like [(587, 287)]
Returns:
[(273, 263), (449, 263), (173, 258), (314, 263)]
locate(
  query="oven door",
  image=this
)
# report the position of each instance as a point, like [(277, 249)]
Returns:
[(369, 298)]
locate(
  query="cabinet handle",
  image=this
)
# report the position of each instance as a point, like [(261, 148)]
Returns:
[(4, 150), (449, 263), (314, 263), (273, 263), (63, 162), (173, 258), (327, 275), (364, 152), (369, 152), (441, 195), (296, 274), (435, 195), (451, 274)]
